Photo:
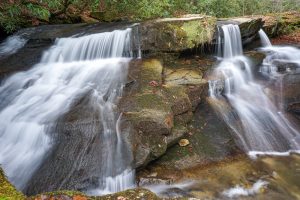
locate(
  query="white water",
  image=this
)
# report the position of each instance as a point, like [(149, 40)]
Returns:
[(264, 39), (234, 47), (263, 127), (256, 154), (238, 191), (32, 101), (175, 190), (11, 45)]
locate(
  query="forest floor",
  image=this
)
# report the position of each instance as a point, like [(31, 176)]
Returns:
[(291, 38)]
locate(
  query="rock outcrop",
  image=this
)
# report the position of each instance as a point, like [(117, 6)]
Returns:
[(280, 23), (177, 34), (156, 111)]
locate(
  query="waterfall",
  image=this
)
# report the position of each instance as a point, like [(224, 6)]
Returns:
[(265, 41), (31, 101), (259, 126), (232, 43)]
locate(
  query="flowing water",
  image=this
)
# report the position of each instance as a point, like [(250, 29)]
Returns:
[(264, 39), (31, 101), (11, 45), (258, 123)]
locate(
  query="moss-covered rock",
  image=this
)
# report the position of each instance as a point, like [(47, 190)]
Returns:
[(156, 111), (132, 194), (177, 34), (7, 190), (281, 23)]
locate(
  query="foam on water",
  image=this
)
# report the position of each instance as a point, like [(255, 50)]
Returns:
[(238, 191)]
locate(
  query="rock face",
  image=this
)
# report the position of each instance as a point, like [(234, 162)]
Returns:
[(279, 23), (157, 114), (74, 162), (177, 34), (291, 93), (210, 140)]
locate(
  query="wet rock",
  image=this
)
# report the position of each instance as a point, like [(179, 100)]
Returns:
[(156, 116), (177, 34), (256, 57), (210, 141), (75, 161), (283, 66), (295, 109), (25, 58), (291, 92)]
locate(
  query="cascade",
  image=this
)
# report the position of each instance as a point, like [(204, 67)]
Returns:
[(265, 41), (32, 101), (257, 123)]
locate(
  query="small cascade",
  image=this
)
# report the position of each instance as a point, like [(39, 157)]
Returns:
[(258, 124), (232, 43), (32, 101), (110, 45), (265, 41)]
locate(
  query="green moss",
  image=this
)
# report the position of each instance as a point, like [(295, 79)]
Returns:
[(64, 192), (151, 71), (281, 23), (7, 190), (134, 194), (152, 101), (198, 32)]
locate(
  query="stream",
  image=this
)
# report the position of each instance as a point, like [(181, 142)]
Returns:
[(61, 126)]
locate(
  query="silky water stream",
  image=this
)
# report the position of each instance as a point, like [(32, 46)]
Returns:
[(260, 125), (31, 101)]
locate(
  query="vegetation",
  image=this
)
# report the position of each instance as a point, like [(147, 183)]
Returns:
[(15, 14), (7, 190)]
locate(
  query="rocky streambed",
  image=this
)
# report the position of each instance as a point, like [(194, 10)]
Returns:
[(174, 133)]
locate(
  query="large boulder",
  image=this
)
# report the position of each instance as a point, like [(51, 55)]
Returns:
[(157, 105), (177, 34), (210, 140)]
